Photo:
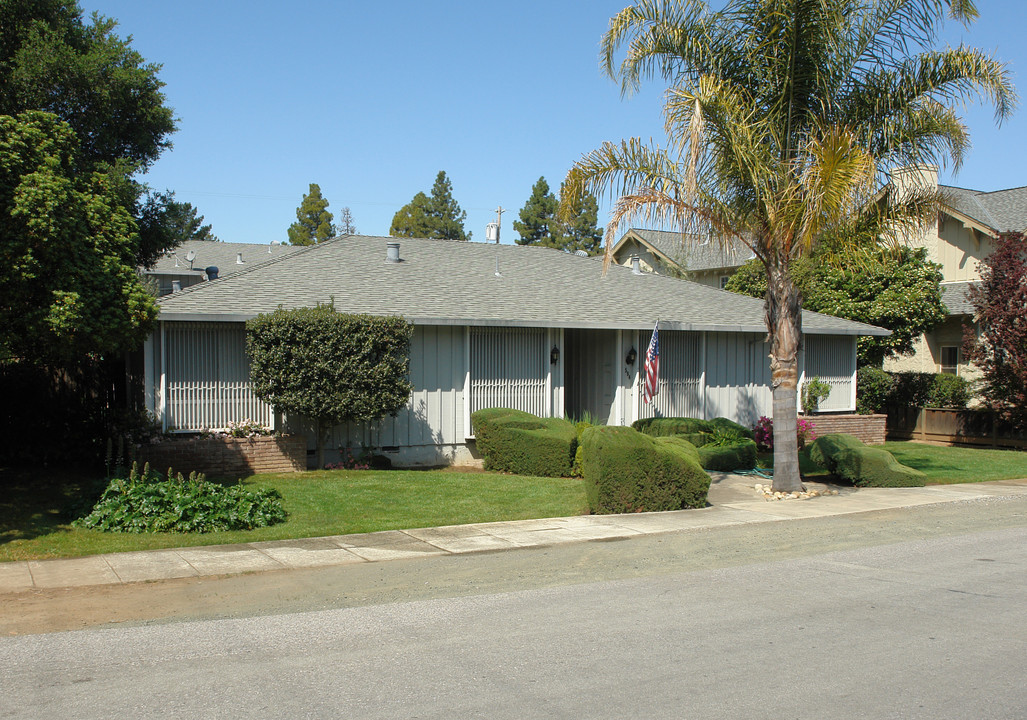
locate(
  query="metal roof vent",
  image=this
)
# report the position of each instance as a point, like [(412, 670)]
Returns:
[(636, 265), (581, 253), (176, 286), (238, 259), (212, 272), (392, 252)]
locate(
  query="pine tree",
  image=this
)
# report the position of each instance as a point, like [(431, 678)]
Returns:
[(313, 221), (580, 230), (438, 216), (346, 226), (538, 217)]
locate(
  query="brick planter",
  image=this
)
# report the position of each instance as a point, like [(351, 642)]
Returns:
[(871, 429), (227, 456)]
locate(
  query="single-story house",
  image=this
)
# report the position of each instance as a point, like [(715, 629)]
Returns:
[(494, 326), (704, 260), (187, 264)]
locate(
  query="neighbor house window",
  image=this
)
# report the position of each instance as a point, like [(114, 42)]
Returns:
[(723, 281), (950, 359)]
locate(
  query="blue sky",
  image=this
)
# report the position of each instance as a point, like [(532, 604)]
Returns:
[(371, 100)]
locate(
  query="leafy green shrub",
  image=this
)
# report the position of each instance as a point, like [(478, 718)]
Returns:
[(814, 392), (627, 471), (739, 455), (845, 456), (150, 502), (911, 389), (660, 427), (949, 391), (519, 442), (873, 390), (723, 423)]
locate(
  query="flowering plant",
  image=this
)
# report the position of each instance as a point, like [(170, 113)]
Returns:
[(763, 431), (347, 461), (245, 429)]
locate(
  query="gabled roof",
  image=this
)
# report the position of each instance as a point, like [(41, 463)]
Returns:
[(220, 254), (441, 282), (1004, 211), (688, 251)]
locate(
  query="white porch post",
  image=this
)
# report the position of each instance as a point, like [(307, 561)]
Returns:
[(467, 383), (162, 407), (148, 387)]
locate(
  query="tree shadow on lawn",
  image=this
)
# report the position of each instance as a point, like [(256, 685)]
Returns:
[(36, 502)]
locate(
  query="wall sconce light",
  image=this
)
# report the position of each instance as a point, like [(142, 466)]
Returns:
[(554, 355), (632, 356)]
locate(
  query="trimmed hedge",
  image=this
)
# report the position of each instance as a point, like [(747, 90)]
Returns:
[(845, 456), (715, 439), (519, 442), (627, 471), (737, 456)]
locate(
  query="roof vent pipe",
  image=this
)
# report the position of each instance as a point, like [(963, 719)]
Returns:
[(636, 266), (212, 272), (392, 254), (238, 259), (176, 285)]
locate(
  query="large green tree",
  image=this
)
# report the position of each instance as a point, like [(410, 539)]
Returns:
[(537, 217), (780, 114), (313, 220), (68, 280), (436, 216), (181, 220), (540, 223), (329, 366), (896, 289)]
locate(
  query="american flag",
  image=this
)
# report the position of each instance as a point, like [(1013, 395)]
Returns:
[(651, 368)]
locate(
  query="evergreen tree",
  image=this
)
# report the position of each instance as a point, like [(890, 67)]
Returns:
[(438, 216), (180, 219), (580, 231), (313, 221), (346, 226), (538, 216)]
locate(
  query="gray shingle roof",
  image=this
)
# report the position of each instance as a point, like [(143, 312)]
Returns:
[(1004, 211), (456, 283), (954, 295), (694, 253), (221, 254)]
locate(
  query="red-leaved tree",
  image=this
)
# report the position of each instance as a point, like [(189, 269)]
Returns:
[(1000, 349)]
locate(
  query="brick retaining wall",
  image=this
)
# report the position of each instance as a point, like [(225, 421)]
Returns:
[(227, 456), (871, 429)]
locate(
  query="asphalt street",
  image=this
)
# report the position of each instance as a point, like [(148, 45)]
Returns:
[(912, 614)]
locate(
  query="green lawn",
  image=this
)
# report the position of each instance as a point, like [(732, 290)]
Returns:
[(36, 508), (36, 511), (945, 465)]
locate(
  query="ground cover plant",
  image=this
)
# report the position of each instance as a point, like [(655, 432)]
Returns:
[(145, 501), (38, 507)]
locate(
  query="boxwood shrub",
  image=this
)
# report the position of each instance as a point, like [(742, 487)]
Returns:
[(845, 456), (519, 442), (723, 444), (740, 455), (627, 471)]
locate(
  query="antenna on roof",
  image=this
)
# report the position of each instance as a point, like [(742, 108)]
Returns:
[(190, 256)]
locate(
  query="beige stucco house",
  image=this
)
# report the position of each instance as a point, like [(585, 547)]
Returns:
[(959, 238)]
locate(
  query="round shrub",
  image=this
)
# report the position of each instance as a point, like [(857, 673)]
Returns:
[(873, 390)]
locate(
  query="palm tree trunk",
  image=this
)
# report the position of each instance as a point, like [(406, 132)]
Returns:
[(784, 323)]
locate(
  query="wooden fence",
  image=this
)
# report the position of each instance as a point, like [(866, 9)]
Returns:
[(941, 426)]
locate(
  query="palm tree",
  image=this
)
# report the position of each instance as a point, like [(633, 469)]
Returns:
[(782, 116)]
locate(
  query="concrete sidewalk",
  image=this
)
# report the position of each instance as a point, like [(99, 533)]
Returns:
[(733, 501)]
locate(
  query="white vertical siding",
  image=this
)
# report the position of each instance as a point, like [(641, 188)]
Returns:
[(832, 358), (207, 377), (738, 382), (680, 388), (510, 369)]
